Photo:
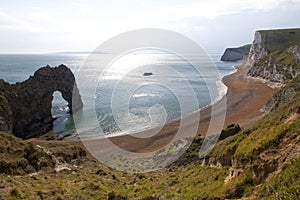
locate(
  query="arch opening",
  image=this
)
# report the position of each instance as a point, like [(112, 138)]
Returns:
[(60, 113)]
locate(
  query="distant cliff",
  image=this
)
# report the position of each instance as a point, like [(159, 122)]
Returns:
[(25, 108), (275, 55), (235, 54)]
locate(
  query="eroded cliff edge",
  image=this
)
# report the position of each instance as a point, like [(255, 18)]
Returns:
[(275, 55), (26, 107), (235, 54)]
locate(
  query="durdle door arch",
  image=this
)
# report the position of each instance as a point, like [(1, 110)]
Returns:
[(31, 100)]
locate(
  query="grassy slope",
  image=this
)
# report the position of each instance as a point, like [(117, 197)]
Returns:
[(268, 135), (245, 49), (284, 185), (242, 49), (92, 180), (274, 40)]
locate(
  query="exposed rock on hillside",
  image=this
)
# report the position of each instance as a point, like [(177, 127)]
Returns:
[(19, 157), (5, 114), (275, 55), (231, 130), (235, 54), (27, 112), (286, 95), (255, 154)]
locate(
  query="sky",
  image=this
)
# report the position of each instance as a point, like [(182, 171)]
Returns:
[(34, 26)]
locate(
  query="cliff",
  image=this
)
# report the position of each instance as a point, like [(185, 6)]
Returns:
[(235, 54), (26, 107), (275, 55)]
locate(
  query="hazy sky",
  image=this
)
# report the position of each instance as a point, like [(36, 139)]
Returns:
[(49, 26)]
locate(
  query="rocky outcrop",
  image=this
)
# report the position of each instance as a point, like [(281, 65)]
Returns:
[(235, 54), (257, 51), (275, 55), (295, 52), (231, 130), (30, 102), (262, 150), (5, 114), (286, 95)]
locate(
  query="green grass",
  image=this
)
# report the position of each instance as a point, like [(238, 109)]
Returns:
[(274, 40), (284, 58), (245, 49), (224, 149), (184, 183), (268, 131), (263, 138), (281, 58), (20, 157), (240, 186), (284, 185)]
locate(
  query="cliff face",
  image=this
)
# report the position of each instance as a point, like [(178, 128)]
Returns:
[(285, 95), (235, 54), (27, 105), (275, 55)]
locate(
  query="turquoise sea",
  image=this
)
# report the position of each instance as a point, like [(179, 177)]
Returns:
[(149, 93)]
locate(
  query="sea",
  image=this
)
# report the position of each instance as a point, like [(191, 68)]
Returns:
[(125, 99)]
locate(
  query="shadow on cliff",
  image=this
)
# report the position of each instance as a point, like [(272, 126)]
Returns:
[(25, 108)]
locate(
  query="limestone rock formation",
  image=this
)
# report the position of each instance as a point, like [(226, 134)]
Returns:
[(230, 130), (286, 95), (5, 114), (30, 102), (257, 51), (235, 54), (275, 55)]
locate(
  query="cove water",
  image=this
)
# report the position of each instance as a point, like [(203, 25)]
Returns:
[(18, 67)]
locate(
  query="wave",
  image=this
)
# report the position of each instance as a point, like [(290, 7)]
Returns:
[(222, 91)]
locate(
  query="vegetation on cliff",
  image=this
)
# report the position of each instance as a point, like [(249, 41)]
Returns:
[(257, 162), (276, 40), (275, 55), (20, 157), (234, 54)]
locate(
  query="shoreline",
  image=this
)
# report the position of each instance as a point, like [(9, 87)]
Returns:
[(244, 99), (217, 100)]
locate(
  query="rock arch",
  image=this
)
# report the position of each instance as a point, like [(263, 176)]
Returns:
[(31, 100)]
